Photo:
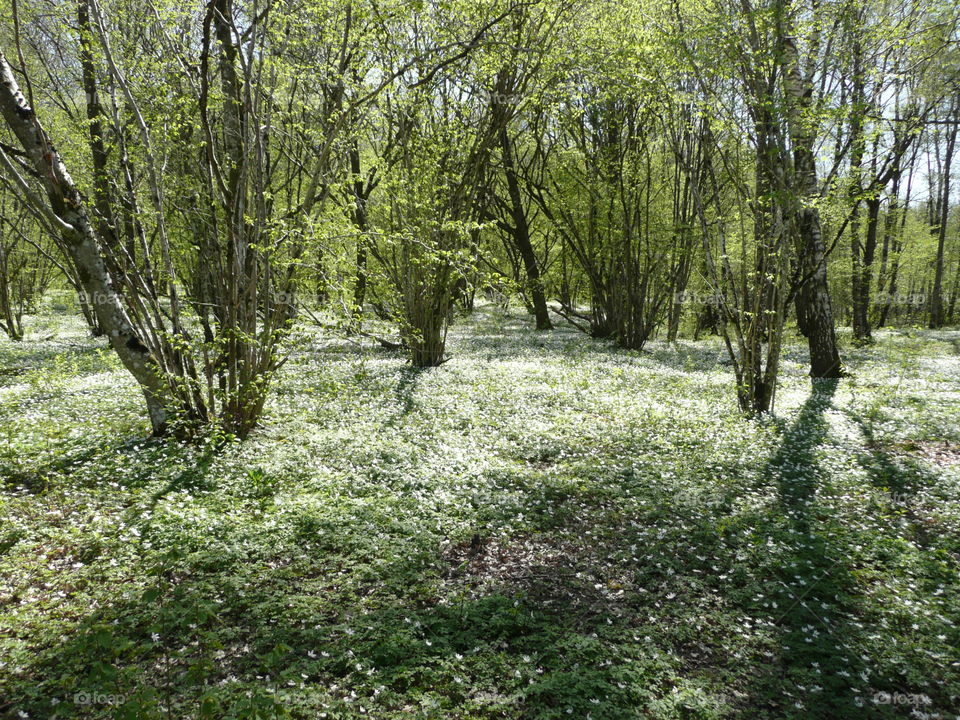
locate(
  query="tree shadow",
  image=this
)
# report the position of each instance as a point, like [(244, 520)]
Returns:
[(684, 355), (36, 480), (18, 360), (905, 489), (898, 479), (405, 391), (816, 673), (214, 636)]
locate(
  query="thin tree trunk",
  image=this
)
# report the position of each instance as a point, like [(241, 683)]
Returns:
[(943, 215), (520, 232), (858, 289), (896, 246), (9, 323), (359, 217), (869, 252), (954, 293), (889, 228)]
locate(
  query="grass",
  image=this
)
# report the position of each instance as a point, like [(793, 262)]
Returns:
[(543, 527)]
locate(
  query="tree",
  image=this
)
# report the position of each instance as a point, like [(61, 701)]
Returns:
[(813, 304), (26, 267), (65, 209)]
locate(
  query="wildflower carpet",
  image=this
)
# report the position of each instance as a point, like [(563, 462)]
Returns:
[(543, 527)]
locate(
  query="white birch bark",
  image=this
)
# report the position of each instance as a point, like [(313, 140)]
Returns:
[(63, 201)]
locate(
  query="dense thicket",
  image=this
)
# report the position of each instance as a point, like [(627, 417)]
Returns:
[(205, 175)]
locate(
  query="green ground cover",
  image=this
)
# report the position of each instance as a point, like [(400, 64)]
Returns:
[(543, 527)]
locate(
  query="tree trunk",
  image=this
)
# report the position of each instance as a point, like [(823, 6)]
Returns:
[(896, 243), (101, 189), (520, 232), (814, 309), (954, 293), (858, 288), (66, 209), (943, 215), (889, 228), (359, 217), (10, 321), (869, 252), (814, 299)]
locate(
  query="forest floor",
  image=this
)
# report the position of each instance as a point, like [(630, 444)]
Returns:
[(543, 527)]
